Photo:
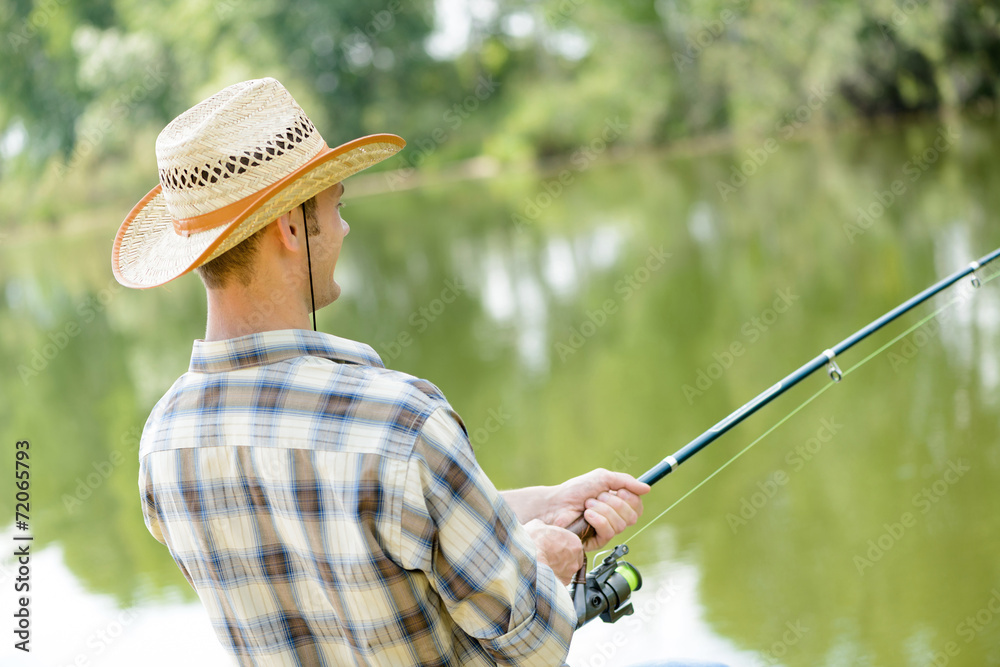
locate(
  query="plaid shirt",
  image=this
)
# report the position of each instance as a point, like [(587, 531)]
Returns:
[(331, 512)]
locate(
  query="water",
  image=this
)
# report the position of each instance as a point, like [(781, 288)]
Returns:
[(596, 315)]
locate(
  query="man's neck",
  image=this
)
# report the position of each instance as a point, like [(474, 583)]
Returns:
[(237, 311)]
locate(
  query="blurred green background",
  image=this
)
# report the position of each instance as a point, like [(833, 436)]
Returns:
[(622, 194)]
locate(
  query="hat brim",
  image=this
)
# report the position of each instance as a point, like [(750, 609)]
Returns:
[(148, 251)]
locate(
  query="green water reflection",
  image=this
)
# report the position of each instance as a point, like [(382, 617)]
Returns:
[(605, 326)]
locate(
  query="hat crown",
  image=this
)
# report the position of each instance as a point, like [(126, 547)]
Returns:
[(233, 144)]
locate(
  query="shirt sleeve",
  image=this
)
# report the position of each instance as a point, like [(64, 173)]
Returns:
[(146, 498), (478, 558)]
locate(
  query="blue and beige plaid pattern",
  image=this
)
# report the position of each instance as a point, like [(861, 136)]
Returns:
[(329, 511)]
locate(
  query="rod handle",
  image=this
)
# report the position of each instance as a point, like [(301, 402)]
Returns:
[(582, 528)]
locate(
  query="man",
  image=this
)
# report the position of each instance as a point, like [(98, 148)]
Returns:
[(327, 510)]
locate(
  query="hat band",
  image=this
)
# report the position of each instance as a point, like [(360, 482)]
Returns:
[(225, 215)]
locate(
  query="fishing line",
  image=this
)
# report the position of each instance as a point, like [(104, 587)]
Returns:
[(809, 400), (606, 590)]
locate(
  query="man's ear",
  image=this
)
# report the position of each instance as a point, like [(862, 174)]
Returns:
[(289, 230)]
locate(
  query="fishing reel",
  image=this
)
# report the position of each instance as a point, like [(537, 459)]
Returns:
[(607, 589)]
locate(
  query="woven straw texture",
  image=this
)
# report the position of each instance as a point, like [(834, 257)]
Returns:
[(224, 152)]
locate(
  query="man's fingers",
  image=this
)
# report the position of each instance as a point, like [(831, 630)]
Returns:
[(633, 485), (633, 501), (621, 505), (601, 526), (610, 514), (617, 522), (611, 501), (556, 547), (621, 480)]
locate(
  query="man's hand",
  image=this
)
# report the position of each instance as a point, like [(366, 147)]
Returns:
[(609, 501), (557, 547)]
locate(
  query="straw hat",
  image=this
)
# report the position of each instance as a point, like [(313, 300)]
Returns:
[(229, 166)]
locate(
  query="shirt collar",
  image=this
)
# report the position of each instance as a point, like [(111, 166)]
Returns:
[(271, 347)]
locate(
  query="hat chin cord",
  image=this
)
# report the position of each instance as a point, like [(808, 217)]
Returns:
[(312, 295)]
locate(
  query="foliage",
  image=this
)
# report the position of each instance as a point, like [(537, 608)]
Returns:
[(518, 81)]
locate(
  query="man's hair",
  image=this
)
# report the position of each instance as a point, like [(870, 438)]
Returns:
[(237, 263)]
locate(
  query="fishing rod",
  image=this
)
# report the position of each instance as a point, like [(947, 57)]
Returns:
[(606, 590)]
